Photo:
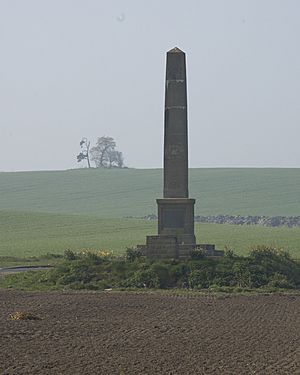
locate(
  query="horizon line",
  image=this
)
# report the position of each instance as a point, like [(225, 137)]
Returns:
[(151, 168)]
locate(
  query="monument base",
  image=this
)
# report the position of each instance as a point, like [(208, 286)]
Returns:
[(168, 247), (176, 238)]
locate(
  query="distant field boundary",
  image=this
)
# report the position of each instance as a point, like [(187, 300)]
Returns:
[(266, 221)]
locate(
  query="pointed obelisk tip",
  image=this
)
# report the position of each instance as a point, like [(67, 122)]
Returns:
[(175, 50)]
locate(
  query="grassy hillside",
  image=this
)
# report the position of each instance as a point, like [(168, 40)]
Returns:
[(132, 192), (44, 212), (33, 234)]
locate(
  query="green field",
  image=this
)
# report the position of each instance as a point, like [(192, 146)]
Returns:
[(49, 212), (34, 234), (132, 192)]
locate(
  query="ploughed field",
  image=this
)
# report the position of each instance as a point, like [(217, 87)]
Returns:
[(149, 333)]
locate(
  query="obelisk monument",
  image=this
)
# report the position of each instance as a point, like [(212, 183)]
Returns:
[(175, 210), (175, 136), (176, 238)]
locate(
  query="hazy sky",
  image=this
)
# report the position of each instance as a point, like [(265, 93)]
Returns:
[(74, 68)]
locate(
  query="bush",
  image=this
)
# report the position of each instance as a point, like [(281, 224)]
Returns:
[(163, 273), (242, 275), (132, 254), (228, 252), (92, 258), (270, 261), (179, 274), (146, 278), (224, 273), (70, 255), (263, 252), (280, 281), (199, 279)]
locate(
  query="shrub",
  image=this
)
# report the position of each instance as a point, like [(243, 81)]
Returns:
[(70, 255), (145, 278), (224, 273), (132, 254), (270, 260), (76, 271), (242, 275), (92, 258), (163, 273), (280, 281), (179, 274), (228, 252), (199, 279), (262, 252)]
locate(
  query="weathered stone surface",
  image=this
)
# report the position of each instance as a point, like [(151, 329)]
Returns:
[(160, 247), (175, 141)]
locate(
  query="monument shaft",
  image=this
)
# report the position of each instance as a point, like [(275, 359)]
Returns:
[(176, 135)]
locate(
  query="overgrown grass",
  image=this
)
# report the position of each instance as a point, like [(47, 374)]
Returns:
[(265, 267), (41, 260), (132, 192), (25, 235)]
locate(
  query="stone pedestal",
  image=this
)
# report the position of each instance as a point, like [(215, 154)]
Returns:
[(176, 238), (176, 218)]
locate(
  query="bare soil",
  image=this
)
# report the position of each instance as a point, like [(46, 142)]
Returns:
[(149, 333)]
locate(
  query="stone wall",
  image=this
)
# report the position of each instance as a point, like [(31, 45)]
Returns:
[(268, 221)]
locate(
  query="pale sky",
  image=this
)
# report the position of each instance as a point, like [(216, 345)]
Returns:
[(87, 68)]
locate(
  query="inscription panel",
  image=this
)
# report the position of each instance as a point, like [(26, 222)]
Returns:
[(173, 218)]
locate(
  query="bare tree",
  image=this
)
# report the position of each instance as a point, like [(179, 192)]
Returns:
[(85, 151)]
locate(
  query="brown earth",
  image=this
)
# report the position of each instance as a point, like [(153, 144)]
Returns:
[(149, 333)]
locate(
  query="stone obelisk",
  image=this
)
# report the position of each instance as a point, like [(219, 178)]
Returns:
[(176, 139), (175, 210), (176, 238)]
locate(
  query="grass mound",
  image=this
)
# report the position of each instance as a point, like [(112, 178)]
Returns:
[(265, 267)]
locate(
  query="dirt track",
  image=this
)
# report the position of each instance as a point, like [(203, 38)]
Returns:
[(130, 333)]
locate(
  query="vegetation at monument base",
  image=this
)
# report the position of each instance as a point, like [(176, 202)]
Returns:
[(265, 267)]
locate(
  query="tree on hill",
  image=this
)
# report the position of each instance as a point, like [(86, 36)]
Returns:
[(105, 155), (115, 159), (85, 151)]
